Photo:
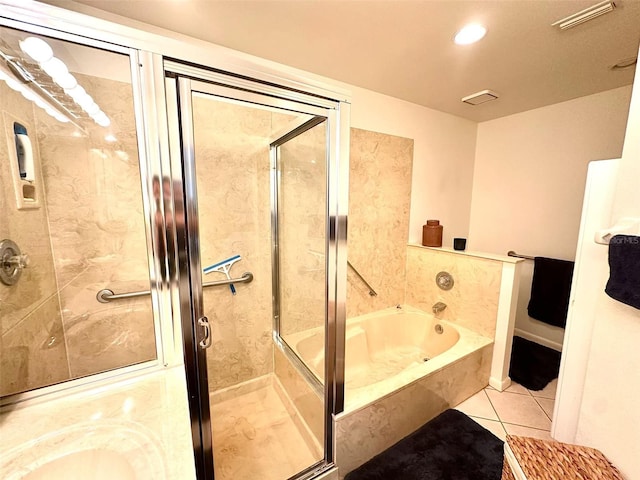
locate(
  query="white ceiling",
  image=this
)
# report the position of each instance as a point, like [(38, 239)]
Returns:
[(405, 48)]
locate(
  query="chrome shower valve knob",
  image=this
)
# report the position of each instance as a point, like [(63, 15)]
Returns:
[(12, 262), (18, 261)]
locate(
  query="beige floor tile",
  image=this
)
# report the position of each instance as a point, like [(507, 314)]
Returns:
[(519, 409), (547, 392), (493, 426), (521, 431), (255, 437), (547, 405), (478, 406), (517, 388)]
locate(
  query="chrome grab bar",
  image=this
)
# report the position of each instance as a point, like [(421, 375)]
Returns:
[(372, 292), (105, 295)]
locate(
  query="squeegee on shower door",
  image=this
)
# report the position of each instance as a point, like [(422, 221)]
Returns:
[(224, 267)]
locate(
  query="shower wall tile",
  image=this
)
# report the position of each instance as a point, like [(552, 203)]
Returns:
[(364, 433), (94, 198), (95, 209), (233, 178), (302, 231), (379, 202), (473, 300), (109, 336), (27, 228), (29, 310), (33, 353)]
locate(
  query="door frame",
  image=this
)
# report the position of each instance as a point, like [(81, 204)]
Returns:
[(181, 82)]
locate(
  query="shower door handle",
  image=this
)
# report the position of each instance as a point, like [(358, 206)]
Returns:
[(206, 341)]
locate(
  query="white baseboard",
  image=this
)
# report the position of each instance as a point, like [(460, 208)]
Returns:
[(540, 340), (500, 384)]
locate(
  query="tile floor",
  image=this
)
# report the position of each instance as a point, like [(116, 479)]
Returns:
[(516, 411)]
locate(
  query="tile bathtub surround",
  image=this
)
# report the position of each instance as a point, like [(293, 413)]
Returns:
[(367, 431), (515, 411), (379, 201), (473, 300)]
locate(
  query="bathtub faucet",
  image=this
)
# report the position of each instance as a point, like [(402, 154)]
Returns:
[(438, 307)]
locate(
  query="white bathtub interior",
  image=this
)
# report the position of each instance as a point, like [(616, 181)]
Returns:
[(388, 349)]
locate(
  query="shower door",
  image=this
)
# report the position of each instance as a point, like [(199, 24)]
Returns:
[(257, 415)]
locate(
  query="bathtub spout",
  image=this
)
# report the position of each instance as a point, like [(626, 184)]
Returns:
[(438, 307)]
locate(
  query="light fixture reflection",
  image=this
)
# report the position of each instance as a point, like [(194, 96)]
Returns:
[(470, 34), (41, 52), (37, 49)]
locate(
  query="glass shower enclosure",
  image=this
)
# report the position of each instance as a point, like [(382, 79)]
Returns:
[(262, 253), (72, 216), (132, 243)]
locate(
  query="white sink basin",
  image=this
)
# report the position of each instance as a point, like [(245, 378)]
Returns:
[(86, 465), (101, 450)]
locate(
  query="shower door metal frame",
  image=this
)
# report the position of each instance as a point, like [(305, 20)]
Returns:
[(182, 81)]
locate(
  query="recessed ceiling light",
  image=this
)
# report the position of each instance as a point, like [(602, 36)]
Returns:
[(470, 34)]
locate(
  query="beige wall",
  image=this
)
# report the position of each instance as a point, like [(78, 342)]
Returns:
[(379, 202), (444, 151), (608, 416), (529, 178)]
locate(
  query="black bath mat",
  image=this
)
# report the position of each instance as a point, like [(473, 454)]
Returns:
[(449, 447), (533, 365)]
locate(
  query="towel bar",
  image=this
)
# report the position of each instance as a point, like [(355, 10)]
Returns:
[(511, 253)]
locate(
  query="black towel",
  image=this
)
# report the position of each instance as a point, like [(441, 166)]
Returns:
[(550, 290), (624, 270)]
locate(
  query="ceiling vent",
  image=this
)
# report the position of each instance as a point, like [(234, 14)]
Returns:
[(480, 97), (585, 15)]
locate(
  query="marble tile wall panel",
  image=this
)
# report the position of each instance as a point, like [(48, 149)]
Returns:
[(473, 300), (307, 402), (29, 227), (379, 202), (29, 309), (364, 433), (233, 168), (95, 209), (33, 353)]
